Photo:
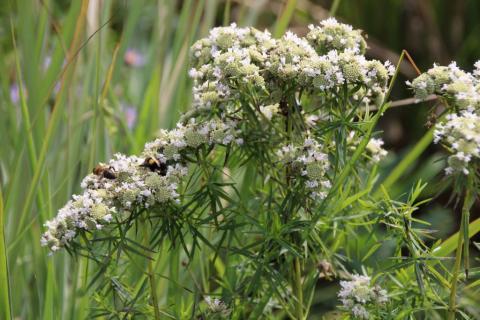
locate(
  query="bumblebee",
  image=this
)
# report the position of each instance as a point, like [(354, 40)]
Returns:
[(104, 171), (154, 165)]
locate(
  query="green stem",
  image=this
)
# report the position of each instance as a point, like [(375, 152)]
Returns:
[(151, 273), (456, 268), (5, 299), (151, 279), (468, 202), (298, 288)]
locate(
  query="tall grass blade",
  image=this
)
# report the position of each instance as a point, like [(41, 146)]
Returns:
[(5, 305), (407, 161), (284, 19)]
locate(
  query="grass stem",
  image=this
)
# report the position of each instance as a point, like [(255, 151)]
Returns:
[(334, 7)]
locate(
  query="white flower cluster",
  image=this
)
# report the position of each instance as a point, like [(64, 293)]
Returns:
[(125, 184), (171, 143), (460, 131), (374, 147), (334, 69), (284, 61), (329, 57), (312, 164), (331, 35), (476, 71), (269, 111), (463, 88), (112, 191), (358, 295), (229, 62), (217, 306), (461, 135), (228, 54)]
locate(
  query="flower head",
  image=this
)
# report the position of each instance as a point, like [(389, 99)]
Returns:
[(461, 135), (456, 85), (311, 163), (232, 60), (332, 35), (358, 295), (217, 306)]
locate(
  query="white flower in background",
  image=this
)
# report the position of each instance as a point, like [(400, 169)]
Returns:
[(217, 306), (374, 147), (312, 120), (287, 153), (358, 295), (194, 73), (269, 111)]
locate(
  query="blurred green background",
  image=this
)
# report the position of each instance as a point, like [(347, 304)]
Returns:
[(81, 80)]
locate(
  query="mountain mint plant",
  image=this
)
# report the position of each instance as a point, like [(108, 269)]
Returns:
[(267, 179)]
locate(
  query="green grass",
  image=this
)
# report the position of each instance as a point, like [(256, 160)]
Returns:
[(4, 276), (70, 116)]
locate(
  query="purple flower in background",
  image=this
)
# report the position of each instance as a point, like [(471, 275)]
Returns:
[(57, 87), (130, 113), (134, 58), (14, 93), (46, 62)]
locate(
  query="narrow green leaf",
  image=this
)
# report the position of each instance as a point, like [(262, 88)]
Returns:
[(5, 304), (371, 251), (449, 245), (408, 160), (284, 19)]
